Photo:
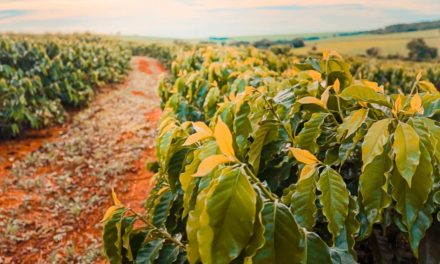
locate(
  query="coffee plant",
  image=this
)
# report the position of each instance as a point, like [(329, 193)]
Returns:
[(40, 75), (263, 159)]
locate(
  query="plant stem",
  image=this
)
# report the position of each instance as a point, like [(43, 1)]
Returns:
[(161, 231), (413, 87), (277, 117), (257, 181), (339, 107)]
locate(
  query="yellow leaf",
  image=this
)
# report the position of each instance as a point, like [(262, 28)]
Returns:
[(397, 106), (262, 89), (373, 85), (311, 100), (163, 189), (223, 137), (219, 105), (225, 99), (167, 128), (185, 125), (416, 104), (202, 132), (196, 137), (307, 172), (201, 127), (427, 86), (316, 76), (164, 122), (210, 163), (248, 91), (324, 97), (325, 54), (335, 54), (290, 72), (337, 86), (419, 76), (304, 156), (115, 198), (109, 213), (363, 104)]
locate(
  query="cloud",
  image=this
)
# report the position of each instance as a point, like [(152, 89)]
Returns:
[(202, 18), (9, 13)]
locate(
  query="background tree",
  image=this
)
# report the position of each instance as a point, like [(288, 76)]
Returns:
[(373, 52), (419, 51)]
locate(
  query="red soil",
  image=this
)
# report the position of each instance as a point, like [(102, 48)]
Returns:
[(17, 149), (160, 67), (144, 67)]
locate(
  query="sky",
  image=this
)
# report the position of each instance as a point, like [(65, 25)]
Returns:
[(205, 18)]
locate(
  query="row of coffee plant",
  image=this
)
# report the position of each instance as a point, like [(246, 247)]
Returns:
[(165, 53), (396, 75), (41, 74), (263, 160)]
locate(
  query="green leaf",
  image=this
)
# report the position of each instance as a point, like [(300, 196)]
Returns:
[(410, 200), (431, 104), (174, 167), (364, 94), (136, 239), (334, 200), (346, 239), (375, 140), (112, 237), (418, 229), (227, 220), (350, 144), (188, 183), (306, 139), (181, 258), (161, 208), (149, 251), (372, 185), (193, 223), (257, 239), (436, 197), (128, 228), (164, 145), (434, 132), (421, 128), (168, 254), (352, 123), (317, 250), (303, 201), (260, 136), (284, 242), (407, 150), (242, 127), (341, 256)]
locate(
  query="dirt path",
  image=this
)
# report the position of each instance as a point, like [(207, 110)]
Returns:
[(55, 185)]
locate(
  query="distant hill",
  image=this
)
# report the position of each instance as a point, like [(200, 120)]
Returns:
[(409, 27)]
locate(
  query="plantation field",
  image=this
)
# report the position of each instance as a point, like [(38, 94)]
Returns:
[(389, 44), (265, 160), (131, 150), (41, 75)]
